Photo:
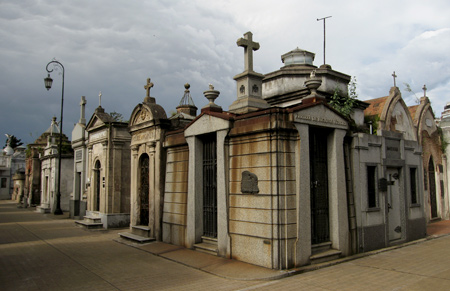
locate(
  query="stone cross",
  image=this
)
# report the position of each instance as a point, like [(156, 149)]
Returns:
[(82, 112), (148, 87), (395, 76), (249, 46), (424, 90), (100, 99)]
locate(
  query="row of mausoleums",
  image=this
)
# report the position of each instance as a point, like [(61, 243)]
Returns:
[(281, 179)]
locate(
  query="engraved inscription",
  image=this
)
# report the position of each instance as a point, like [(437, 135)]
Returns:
[(97, 136), (300, 117)]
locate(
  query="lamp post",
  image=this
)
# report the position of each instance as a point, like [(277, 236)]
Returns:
[(48, 84)]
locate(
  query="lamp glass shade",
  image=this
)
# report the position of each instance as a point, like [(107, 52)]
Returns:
[(48, 82)]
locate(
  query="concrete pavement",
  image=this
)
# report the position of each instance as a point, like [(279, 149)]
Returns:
[(47, 252)]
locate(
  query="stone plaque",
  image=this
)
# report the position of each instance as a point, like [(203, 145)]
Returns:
[(78, 155), (393, 149), (249, 183)]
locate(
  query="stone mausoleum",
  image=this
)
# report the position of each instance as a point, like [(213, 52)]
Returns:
[(107, 170), (280, 179), (49, 159)]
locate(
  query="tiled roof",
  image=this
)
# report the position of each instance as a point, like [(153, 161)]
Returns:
[(412, 110), (376, 106)]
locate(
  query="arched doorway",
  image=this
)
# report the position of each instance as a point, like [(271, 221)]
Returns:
[(144, 190), (97, 186), (432, 191)]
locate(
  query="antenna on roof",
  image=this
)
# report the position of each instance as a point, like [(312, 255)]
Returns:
[(324, 39)]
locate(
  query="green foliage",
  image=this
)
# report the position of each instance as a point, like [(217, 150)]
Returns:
[(374, 120), (408, 89), (444, 142), (15, 142), (118, 117), (66, 148), (343, 104)]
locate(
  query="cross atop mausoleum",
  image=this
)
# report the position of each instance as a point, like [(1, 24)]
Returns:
[(424, 90), (82, 110), (249, 46), (395, 76), (148, 87)]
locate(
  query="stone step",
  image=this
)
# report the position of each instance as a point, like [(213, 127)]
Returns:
[(141, 230), (320, 248), (209, 240), (136, 238), (92, 219), (207, 248), (325, 256), (41, 209), (89, 225)]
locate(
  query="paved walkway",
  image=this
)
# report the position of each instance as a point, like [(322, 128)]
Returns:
[(47, 252)]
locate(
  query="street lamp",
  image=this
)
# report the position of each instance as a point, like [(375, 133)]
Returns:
[(48, 84)]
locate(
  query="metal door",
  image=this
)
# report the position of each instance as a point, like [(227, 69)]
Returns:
[(97, 186), (320, 224), (394, 204), (432, 188), (209, 186), (144, 190)]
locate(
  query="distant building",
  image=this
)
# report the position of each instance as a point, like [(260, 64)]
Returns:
[(434, 162), (49, 172)]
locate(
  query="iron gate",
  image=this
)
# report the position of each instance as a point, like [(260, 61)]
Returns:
[(432, 189), (97, 186), (209, 186), (320, 229), (144, 191)]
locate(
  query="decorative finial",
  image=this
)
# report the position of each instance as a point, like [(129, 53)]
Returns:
[(187, 86), (211, 95), (424, 90), (100, 99)]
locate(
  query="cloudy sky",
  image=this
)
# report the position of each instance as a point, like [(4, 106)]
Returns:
[(113, 46)]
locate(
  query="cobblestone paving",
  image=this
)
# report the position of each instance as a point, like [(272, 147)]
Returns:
[(46, 252)]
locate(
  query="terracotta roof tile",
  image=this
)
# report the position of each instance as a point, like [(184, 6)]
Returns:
[(412, 110), (376, 106)]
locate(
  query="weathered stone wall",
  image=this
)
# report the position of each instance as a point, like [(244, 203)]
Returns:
[(262, 223), (175, 195)]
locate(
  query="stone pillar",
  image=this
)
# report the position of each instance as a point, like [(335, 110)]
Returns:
[(337, 192), (134, 185), (19, 182), (303, 243), (223, 237), (194, 202)]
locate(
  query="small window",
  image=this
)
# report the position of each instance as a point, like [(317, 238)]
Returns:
[(4, 180), (372, 186), (413, 184)]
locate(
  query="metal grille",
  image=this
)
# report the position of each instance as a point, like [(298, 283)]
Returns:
[(144, 191), (210, 187), (320, 229), (97, 186), (432, 179)]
